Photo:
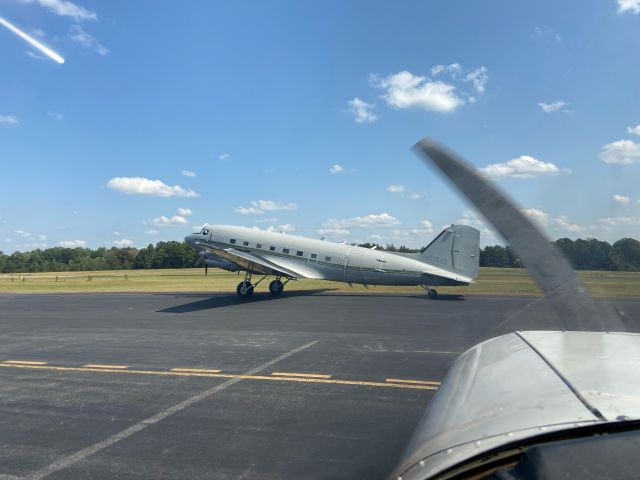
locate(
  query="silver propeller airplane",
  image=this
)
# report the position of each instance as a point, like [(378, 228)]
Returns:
[(452, 258)]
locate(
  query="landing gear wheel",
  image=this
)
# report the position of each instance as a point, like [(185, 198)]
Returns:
[(433, 293), (276, 287), (244, 290)]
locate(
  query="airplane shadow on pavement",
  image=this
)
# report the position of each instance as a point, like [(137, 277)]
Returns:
[(210, 301), (220, 300)]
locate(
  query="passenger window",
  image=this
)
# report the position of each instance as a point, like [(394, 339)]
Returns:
[(258, 245), (246, 244), (273, 249), (233, 240), (299, 253), (314, 255), (327, 259), (285, 250)]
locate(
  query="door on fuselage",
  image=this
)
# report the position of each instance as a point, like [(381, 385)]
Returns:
[(353, 272)]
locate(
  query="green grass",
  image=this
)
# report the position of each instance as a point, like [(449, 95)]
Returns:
[(509, 281)]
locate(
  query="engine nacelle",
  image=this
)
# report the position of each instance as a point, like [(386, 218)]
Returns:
[(217, 262)]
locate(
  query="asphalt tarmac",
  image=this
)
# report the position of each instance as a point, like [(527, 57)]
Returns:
[(311, 385)]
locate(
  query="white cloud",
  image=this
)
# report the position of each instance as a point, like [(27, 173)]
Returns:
[(406, 90), (163, 221), (333, 231), (259, 207), (266, 220), (8, 120), (621, 152), (188, 173), (22, 234), (621, 199), (79, 35), (632, 6), (145, 186), (553, 106), (362, 111), (72, 243), (223, 156), (560, 223), (366, 221), (396, 188), (416, 195), (271, 205), (65, 8), (281, 228), (151, 232), (248, 211), (426, 224), (453, 69), (185, 212), (634, 130), (335, 169), (479, 77), (521, 167), (125, 242), (614, 221), (42, 237)]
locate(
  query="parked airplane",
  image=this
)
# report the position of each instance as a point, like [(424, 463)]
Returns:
[(452, 258)]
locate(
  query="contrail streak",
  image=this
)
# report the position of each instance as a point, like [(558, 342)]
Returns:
[(46, 50)]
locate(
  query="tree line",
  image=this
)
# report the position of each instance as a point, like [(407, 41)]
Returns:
[(59, 259), (590, 254)]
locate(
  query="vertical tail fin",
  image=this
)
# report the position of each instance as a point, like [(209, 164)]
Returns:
[(457, 249)]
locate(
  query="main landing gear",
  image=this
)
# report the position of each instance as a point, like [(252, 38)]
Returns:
[(245, 288), (433, 294), (276, 287)]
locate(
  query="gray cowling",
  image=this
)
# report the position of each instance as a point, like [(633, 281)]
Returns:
[(217, 262), (456, 249)]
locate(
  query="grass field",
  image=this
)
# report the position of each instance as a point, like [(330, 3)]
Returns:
[(509, 281)]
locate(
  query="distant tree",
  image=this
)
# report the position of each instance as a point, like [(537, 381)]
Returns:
[(625, 255), (494, 256)]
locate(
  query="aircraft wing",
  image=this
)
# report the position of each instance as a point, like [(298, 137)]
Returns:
[(258, 264)]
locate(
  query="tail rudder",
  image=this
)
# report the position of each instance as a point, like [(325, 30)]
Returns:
[(457, 249)]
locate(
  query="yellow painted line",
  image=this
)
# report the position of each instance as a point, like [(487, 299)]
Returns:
[(107, 367), (413, 382), (195, 370), (305, 375), (223, 375), (25, 362)]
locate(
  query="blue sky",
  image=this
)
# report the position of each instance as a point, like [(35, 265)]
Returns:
[(300, 116)]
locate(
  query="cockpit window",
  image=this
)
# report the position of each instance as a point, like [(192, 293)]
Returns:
[(205, 231)]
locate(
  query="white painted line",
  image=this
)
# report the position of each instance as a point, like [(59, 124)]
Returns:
[(127, 432)]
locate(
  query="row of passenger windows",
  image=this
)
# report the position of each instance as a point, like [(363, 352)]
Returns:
[(299, 253)]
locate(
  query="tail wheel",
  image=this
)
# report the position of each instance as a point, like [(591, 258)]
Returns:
[(276, 287), (244, 290), (433, 293)]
